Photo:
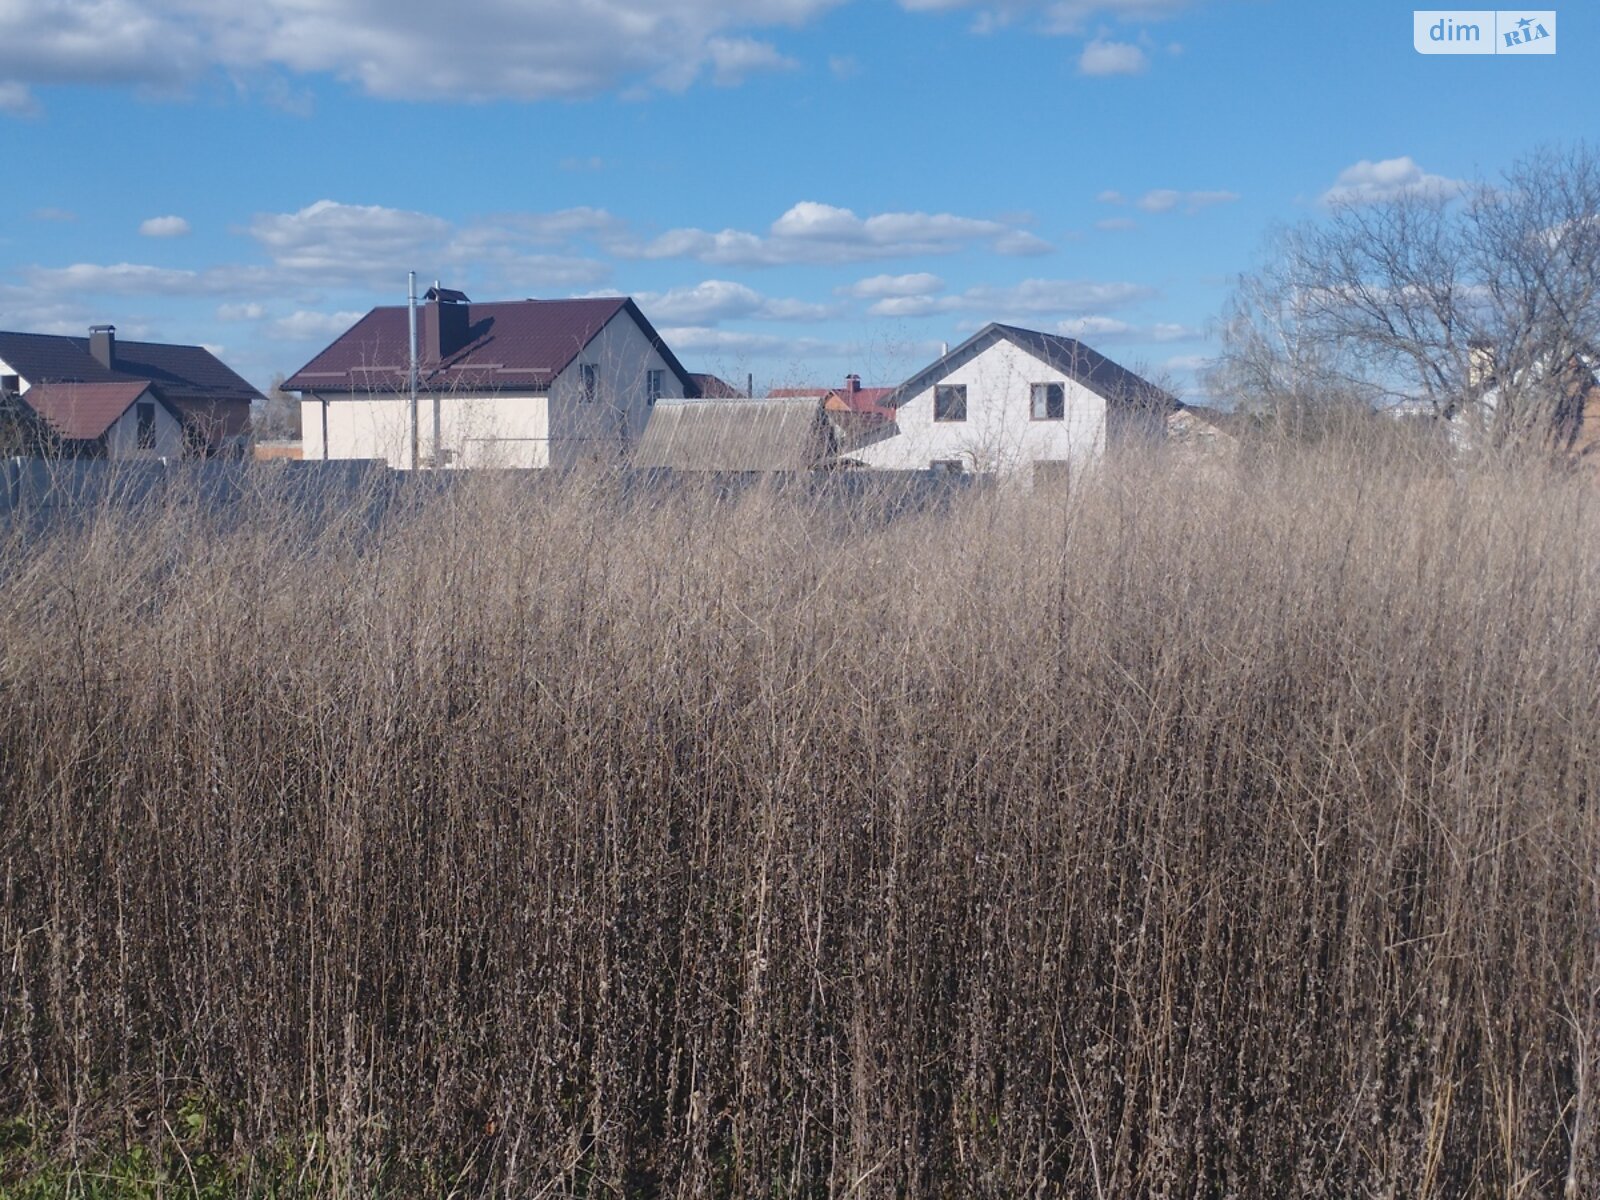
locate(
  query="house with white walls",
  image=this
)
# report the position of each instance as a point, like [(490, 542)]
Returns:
[(104, 397), (520, 383), (1014, 402)]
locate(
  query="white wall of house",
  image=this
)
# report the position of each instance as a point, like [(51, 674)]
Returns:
[(999, 434), (122, 438), (562, 428), (606, 428), (475, 430)]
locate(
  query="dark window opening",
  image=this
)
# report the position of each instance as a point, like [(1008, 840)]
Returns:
[(145, 414), (589, 381), (653, 383), (950, 402), (1049, 401)]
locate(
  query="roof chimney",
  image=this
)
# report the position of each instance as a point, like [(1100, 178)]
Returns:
[(447, 320), (103, 344), (852, 384)]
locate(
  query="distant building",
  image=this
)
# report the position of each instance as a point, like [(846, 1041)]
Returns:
[(100, 397), (1014, 402), (782, 434), (521, 383)]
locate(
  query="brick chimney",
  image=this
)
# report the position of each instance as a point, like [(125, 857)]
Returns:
[(852, 384), (103, 345), (446, 320)]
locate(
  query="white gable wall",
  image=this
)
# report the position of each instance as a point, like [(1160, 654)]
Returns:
[(122, 438), (608, 427), (999, 434)]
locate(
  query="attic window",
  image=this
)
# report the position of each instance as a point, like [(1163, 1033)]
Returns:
[(653, 382), (1049, 401), (950, 402), (10, 385), (145, 415), (589, 382)]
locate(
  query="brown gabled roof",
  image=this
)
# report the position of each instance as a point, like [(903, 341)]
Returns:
[(714, 387), (182, 372), (509, 344), (84, 411)]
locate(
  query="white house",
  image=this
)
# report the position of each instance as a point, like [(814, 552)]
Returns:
[(103, 397), (523, 383), (1014, 401)]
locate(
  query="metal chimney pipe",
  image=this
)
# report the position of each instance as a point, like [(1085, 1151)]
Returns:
[(411, 407), (438, 454)]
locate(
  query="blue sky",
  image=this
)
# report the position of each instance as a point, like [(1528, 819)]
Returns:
[(793, 189)]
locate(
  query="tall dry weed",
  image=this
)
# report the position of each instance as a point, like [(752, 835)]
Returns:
[(1224, 834)]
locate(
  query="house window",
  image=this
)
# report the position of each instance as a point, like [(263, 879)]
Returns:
[(653, 381), (10, 385), (1049, 401), (145, 414), (950, 402), (589, 381), (946, 466)]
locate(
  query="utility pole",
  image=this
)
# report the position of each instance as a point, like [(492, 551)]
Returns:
[(411, 407), (438, 455)]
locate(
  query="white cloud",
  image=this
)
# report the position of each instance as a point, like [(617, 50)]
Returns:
[(1019, 243), (814, 232), (734, 59), (312, 326), (240, 312), (349, 241), (1056, 16), (1030, 300), (1111, 196), (51, 213), (1161, 200), (163, 227), (879, 286), (1366, 182), (468, 50), (1101, 57), (16, 100), (1046, 296), (915, 306), (693, 339), (715, 300)]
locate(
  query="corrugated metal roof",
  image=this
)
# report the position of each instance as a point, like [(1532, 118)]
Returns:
[(84, 411), (736, 435), (182, 372), (510, 344), (1112, 382)]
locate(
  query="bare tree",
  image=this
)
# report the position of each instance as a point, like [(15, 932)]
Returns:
[(1479, 304)]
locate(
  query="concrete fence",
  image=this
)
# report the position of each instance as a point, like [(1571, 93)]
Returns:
[(40, 492)]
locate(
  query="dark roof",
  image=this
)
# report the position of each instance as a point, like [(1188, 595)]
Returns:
[(84, 411), (714, 387), (449, 295), (1113, 383), (510, 344), (735, 435), (183, 373)]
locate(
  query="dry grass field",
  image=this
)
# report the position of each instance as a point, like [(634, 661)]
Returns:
[(1194, 835)]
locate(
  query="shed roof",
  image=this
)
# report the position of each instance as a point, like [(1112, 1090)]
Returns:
[(735, 435)]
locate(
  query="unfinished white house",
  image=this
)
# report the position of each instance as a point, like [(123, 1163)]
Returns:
[(1014, 402), (522, 383)]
